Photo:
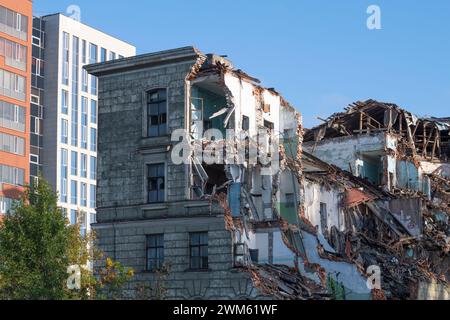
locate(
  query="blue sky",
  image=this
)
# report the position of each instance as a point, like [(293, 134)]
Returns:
[(319, 54)]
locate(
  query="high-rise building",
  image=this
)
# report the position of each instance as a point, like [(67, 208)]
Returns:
[(65, 146), (15, 70)]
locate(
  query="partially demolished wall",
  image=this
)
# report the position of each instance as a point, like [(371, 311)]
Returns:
[(301, 229)]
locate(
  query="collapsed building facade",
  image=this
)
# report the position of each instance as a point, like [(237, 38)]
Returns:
[(205, 190), (406, 157)]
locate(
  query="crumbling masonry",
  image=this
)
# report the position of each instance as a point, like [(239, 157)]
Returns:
[(300, 222)]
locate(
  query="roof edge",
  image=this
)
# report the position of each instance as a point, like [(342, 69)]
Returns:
[(161, 57)]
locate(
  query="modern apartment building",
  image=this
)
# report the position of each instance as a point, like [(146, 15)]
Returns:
[(65, 146), (15, 70)]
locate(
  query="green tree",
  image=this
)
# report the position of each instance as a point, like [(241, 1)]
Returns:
[(37, 245), (34, 244)]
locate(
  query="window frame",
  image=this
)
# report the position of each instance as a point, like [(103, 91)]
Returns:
[(93, 139), (92, 196), (159, 245), (93, 167), (93, 111), (83, 165), (245, 123), (73, 169), (147, 184), (64, 131), (73, 195), (83, 194), (199, 246), (146, 117), (64, 101)]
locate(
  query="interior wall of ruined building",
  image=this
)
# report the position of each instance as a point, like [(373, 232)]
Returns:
[(260, 106), (341, 273), (375, 157), (323, 207), (349, 153)]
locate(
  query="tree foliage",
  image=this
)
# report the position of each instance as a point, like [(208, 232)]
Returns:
[(37, 245)]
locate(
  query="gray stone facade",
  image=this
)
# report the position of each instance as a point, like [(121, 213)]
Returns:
[(123, 215)]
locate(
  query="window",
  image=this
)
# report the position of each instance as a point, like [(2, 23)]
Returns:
[(155, 182), (64, 102), (83, 51), (103, 55), (64, 213), (93, 139), (73, 192), (13, 23), (268, 125), (37, 67), (35, 125), (93, 218), (290, 202), (94, 85), (198, 250), (93, 112), (93, 59), (323, 218), (34, 159), (15, 56), (64, 129), (84, 84), (121, 56), (36, 41), (83, 194), (63, 182), (12, 175), (12, 116), (73, 216), (6, 205), (155, 252), (74, 133), (93, 197), (75, 64), (74, 163), (65, 61), (12, 144), (156, 113), (92, 53), (93, 168), (112, 55), (84, 120), (12, 85), (83, 165), (245, 123)]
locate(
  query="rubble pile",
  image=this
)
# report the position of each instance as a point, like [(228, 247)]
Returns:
[(285, 283)]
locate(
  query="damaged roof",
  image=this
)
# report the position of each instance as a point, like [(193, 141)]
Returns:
[(425, 137)]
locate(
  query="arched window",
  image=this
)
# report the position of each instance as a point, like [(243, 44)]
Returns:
[(157, 113)]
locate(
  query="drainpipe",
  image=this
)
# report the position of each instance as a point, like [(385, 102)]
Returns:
[(114, 228)]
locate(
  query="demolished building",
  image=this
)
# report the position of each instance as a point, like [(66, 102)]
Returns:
[(406, 157), (234, 208)]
